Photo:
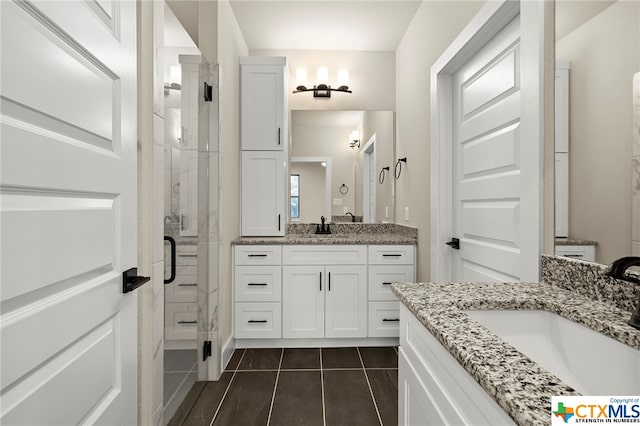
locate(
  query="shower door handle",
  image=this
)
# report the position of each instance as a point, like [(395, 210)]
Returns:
[(172, 242)]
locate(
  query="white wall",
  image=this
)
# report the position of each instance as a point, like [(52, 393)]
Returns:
[(231, 45), (381, 124), (434, 27), (604, 55), (371, 78)]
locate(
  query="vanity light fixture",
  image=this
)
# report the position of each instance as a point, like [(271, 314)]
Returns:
[(322, 89), (354, 139)]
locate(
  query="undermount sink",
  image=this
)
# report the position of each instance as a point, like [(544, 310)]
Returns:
[(588, 361)]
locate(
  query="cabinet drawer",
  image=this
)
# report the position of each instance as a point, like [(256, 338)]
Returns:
[(392, 255), (384, 319), (258, 320), (324, 255), (187, 255), (382, 276), (587, 253), (258, 283), (258, 255), (183, 289), (181, 321)]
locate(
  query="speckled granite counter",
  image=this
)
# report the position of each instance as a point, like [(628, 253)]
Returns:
[(519, 385), (575, 242), (342, 233)]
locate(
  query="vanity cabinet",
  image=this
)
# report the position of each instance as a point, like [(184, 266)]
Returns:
[(263, 193), (264, 141), (324, 291), (324, 301), (433, 388), (387, 264)]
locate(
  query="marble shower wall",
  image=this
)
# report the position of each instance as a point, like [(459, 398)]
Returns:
[(635, 168)]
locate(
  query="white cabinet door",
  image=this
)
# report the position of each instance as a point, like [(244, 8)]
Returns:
[(262, 126), (263, 193), (303, 301), (415, 405), (346, 301)]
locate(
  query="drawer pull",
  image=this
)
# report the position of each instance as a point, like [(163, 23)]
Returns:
[(257, 255), (387, 283), (392, 255), (390, 319), (187, 322), (257, 321), (573, 255), (263, 284), (188, 255), (187, 285)]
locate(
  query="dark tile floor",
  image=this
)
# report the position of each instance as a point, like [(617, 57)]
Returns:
[(300, 387)]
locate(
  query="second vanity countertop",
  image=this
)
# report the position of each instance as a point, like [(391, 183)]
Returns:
[(519, 385)]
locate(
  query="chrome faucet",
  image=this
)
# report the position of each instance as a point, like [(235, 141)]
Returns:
[(618, 269), (353, 218)]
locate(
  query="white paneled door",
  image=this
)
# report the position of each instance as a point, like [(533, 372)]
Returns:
[(487, 177), (68, 211)]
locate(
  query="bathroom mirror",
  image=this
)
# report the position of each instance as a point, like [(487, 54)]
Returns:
[(337, 166), (599, 41)]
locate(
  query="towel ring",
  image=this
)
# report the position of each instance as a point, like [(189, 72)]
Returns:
[(381, 175), (397, 171), (344, 189)]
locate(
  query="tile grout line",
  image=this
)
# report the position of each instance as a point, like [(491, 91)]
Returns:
[(275, 387), (235, 370), (324, 416), (366, 376)]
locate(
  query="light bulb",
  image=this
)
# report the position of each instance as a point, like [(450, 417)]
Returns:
[(301, 77), (343, 77), (323, 75), (175, 74)]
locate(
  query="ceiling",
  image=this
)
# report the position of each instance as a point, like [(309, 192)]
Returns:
[(370, 25), (174, 33)]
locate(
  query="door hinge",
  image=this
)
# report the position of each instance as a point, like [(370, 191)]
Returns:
[(208, 93), (206, 350)]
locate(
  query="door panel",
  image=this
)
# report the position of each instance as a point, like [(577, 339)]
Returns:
[(346, 301), (487, 178), (68, 210)]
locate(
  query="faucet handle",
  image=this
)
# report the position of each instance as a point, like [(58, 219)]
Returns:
[(619, 267)]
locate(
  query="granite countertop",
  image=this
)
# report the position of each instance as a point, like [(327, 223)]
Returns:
[(518, 384), (327, 239), (575, 242), (341, 233)]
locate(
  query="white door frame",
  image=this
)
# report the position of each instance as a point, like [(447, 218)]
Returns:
[(489, 21), (327, 180), (367, 190)]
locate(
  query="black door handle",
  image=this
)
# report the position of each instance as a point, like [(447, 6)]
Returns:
[(172, 242), (454, 243), (131, 280)]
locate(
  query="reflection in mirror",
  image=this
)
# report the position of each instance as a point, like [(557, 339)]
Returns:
[(347, 187), (598, 42)]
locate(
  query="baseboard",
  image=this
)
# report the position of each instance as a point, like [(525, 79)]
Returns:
[(227, 352), (316, 343)]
